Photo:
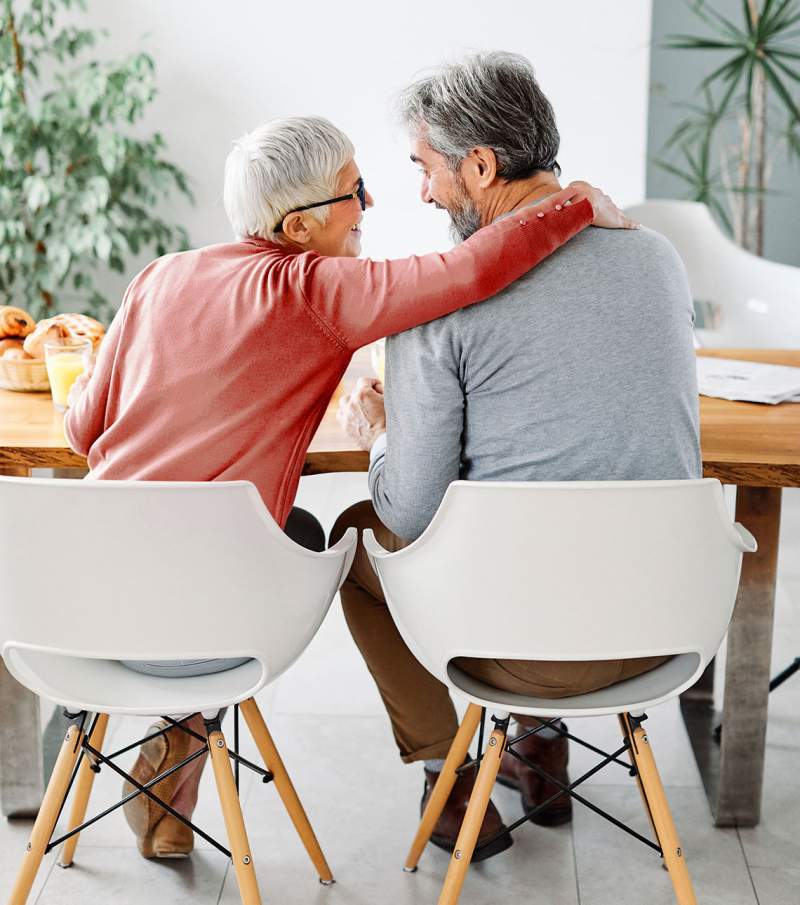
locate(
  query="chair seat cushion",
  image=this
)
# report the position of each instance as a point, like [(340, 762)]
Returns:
[(645, 690), (106, 686)]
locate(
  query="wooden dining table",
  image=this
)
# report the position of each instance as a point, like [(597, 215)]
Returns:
[(755, 447)]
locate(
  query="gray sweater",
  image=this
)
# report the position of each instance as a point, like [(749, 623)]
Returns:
[(583, 369)]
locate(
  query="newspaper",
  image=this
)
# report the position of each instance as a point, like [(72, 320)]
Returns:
[(747, 381)]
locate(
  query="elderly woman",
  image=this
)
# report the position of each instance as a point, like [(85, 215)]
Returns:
[(221, 361)]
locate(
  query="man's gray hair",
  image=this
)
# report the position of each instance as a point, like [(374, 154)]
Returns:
[(281, 165), (489, 100)]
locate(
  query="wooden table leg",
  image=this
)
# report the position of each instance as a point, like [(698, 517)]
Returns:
[(21, 769), (733, 771)]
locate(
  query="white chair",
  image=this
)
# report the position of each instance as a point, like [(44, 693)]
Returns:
[(565, 571), (101, 571), (743, 301)]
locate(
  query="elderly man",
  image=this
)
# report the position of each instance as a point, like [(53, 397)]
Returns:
[(582, 369)]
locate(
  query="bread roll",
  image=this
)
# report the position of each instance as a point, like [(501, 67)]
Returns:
[(10, 343), (81, 326), (17, 353), (15, 321), (48, 330), (77, 326)]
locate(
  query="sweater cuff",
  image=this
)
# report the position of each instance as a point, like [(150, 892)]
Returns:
[(378, 449)]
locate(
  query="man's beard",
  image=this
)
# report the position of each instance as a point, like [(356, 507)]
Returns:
[(465, 219)]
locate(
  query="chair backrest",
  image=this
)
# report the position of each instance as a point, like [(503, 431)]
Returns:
[(567, 571), (742, 300), (139, 570)]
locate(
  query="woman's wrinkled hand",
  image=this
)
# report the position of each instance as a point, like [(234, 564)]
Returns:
[(606, 213)]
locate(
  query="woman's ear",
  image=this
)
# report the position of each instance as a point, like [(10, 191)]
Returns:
[(295, 228)]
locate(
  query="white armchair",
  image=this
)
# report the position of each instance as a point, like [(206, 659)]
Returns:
[(741, 300)]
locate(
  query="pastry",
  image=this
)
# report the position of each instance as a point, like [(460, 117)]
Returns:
[(47, 330), (15, 321), (81, 326), (18, 353), (12, 342), (77, 326)]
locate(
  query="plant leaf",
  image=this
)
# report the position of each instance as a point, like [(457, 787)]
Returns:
[(718, 22), (726, 70), (778, 26), (748, 98), (769, 17), (783, 52), (714, 204), (690, 42), (780, 90), (792, 73), (675, 171)]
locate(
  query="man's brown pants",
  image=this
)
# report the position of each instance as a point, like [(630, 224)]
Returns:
[(423, 718)]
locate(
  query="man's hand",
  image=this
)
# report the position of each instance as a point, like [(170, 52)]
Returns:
[(362, 413), (606, 213)]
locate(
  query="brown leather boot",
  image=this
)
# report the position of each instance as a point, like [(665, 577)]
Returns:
[(159, 834), (552, 755), (445, 833)]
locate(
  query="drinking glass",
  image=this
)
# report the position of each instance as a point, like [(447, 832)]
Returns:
[(65, 359)]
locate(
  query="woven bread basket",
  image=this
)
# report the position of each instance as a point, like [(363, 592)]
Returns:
[(26, 375)]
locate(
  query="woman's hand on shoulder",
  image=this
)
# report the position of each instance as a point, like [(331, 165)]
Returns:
[(606, 213)]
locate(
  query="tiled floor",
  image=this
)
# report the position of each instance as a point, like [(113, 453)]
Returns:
[(328, 722)]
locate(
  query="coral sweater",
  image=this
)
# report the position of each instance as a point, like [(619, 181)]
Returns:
[(221, 361)]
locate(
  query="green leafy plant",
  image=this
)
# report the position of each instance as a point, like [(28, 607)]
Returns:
[(755, 86), (77, 190)]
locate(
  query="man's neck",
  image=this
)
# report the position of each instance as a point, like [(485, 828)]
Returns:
[(511, 195)]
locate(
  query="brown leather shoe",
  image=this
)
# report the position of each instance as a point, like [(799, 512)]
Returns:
[(445, 833), (551, 754)]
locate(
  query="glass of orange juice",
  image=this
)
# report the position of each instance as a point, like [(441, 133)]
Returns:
[(65, 360)]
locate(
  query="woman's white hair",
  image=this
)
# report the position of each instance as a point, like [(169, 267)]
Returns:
[(282, 165)]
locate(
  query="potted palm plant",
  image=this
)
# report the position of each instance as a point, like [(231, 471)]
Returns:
[(749, 110)]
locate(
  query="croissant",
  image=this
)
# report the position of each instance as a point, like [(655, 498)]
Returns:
[(15, 321)]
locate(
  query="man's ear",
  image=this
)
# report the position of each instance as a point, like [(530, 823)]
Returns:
[(295, 228), (479, 167)]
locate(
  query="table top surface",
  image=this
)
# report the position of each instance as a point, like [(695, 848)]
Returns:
[(742, 443)]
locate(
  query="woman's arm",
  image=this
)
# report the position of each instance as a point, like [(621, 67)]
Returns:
[(363, 300), (85, 419)]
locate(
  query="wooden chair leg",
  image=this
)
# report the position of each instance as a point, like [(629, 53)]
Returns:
[(476, 809), (83, 789), (273, 762), (234, 822), (626, 734), (444, 784), (661, 817), (48, 815)]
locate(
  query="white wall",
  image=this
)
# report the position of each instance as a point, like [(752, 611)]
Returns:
[(225, 67)]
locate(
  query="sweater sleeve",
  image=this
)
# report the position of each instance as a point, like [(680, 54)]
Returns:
[(86, 419), (419, 456), (362, 300)]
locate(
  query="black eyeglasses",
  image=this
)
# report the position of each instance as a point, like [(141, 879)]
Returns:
[(360, 193)]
